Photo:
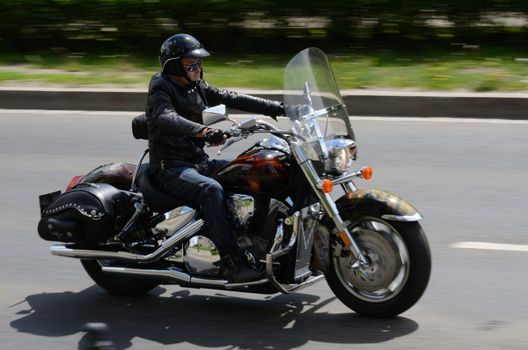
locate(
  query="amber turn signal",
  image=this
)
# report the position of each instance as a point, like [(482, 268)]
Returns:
[(327, 186), (344, 238), (366, 173)]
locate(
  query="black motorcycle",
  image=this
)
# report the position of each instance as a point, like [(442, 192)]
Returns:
[(131, 236)]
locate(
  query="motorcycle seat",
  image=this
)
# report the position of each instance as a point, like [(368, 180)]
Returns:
[(156, 198)]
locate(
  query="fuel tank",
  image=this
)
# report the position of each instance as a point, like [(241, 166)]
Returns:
[(118, 175), (258, 170)]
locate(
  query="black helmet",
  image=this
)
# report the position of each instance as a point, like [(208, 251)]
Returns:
[(180, 46)]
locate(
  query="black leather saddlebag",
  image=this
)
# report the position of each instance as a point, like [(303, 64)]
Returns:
[(87, 214)]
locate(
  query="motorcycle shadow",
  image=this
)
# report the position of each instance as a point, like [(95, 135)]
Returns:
[(217, 320)]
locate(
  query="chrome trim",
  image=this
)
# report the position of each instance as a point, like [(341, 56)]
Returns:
[(149, 273), (389, 258), (327, 202), (175, 219), (247, 284), (242, 208), (286, 289), (94, 215), (65, 251), (307, 283), (178, 237), (188, 230), (335, 151), (201, 257), (349, 187), (274, 253), (404, 218), (347, 177), (274, 142), (340, 143), (323, 111), (271, 126), (279, 236), (179, 277), (208, 282)]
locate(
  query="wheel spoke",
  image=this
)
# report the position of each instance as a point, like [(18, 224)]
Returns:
[(389, 261)]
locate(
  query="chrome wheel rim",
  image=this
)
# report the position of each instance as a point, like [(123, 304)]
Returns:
[(388, 257)]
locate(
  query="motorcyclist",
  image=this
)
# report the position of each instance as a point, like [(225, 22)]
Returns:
[(176, 98)]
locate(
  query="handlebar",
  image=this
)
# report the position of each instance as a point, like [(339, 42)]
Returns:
[(242, 131)]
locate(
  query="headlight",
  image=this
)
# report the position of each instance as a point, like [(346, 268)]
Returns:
[(342, 152), (342, 160)]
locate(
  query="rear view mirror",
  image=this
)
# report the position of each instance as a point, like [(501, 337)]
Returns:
[(214, 114)]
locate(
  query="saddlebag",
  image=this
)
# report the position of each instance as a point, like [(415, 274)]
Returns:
[(87, 214)]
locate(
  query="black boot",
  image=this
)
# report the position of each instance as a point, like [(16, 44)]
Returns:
[(235, 269)]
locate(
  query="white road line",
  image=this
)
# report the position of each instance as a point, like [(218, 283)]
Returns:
[(441, 120), (491, 246), (243, 116), (48, 112)]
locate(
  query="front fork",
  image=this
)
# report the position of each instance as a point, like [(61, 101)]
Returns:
[(330, 206)]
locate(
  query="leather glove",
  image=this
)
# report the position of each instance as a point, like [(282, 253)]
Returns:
[(214, 136)]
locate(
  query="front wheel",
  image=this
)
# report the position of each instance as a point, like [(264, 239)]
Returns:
[(398, 272)]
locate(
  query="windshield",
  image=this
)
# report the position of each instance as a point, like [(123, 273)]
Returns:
[(314, 105)]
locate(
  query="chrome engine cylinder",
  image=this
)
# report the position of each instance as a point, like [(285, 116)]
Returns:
[(241, 208), (201, 257)]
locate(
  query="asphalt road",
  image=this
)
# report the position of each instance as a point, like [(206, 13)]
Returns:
[(469, 180)]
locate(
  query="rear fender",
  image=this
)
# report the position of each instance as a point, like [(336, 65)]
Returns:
[(379, 203)]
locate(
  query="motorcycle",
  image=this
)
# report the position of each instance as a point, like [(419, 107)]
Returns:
[(130, 236)]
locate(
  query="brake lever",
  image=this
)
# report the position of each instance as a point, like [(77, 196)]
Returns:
[(229, 143)]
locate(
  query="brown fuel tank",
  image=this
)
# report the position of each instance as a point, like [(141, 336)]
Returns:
[(118, 175), (262, 171)]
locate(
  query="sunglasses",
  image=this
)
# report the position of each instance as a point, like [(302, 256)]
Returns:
[(193, 66)]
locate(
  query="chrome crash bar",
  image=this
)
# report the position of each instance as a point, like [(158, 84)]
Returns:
[(275, 252)]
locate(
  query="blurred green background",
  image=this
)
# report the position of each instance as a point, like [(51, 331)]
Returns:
[(424, 45)]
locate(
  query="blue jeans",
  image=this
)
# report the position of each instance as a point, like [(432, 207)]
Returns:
[(204, 193)]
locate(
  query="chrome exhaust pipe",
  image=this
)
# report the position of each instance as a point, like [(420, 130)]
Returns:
[(177, 276), (185, 232), (171, 275)]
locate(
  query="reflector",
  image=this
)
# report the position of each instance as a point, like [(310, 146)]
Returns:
[(366, 172), (327, 186), (74, 182)]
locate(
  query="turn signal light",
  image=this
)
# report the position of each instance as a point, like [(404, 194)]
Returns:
[(344, 238), (74, 182), (327, 186), (366, 173)]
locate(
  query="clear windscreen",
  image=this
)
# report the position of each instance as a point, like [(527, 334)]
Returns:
[(314, 104)]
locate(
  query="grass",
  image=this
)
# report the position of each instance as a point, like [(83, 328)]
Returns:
[(476, 70)]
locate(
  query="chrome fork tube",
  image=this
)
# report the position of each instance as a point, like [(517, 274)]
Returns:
[(329, 205), (349, 187)]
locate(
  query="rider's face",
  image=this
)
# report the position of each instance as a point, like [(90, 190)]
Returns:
[(193, 67)]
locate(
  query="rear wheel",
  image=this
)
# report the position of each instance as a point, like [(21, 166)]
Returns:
[(398, 272), (117, 285)]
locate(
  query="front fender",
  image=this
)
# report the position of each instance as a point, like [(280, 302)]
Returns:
[(371, 202)]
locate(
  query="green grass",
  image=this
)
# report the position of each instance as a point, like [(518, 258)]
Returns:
[(492, 70)]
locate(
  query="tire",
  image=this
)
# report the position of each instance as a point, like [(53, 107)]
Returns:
[(400, 267), (117, 285)]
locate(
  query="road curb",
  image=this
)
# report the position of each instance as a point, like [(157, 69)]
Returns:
[(359, 103)]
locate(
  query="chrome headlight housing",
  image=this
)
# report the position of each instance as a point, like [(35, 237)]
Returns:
[(342, 152)]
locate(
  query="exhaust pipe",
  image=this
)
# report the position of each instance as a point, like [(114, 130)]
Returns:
[(185, 232), (179, 277), (171, 275)]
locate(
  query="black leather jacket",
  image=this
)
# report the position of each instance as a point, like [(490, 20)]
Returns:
[(174, 117)]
